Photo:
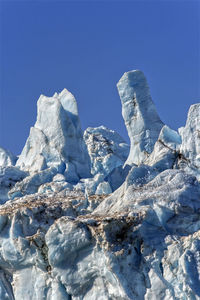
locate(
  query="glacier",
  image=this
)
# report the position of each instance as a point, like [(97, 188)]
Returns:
[(85, 216)]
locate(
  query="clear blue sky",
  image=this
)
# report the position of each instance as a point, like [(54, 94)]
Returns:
[(86, 46)]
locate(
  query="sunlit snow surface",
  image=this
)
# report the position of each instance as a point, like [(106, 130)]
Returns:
[(85, 217)]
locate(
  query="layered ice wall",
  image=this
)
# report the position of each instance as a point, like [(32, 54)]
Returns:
[(141, 119)]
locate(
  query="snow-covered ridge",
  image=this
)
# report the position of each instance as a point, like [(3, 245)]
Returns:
[(84, 216)]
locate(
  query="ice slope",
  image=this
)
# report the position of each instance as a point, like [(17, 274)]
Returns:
[(82, 218)]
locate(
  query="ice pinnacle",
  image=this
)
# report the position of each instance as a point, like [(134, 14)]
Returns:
[(141, 119), (56, 140)]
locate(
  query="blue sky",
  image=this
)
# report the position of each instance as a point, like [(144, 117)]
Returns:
[(86, 46)]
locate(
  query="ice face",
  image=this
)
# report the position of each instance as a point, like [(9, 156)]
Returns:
[(141, 119)]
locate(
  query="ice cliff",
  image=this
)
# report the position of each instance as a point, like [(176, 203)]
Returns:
[(83, 216)]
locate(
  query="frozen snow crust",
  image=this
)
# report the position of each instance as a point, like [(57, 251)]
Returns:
[(83, 216)]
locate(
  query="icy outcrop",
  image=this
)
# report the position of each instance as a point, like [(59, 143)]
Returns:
[(9, 174), (172, 189), (56, 139), (190, 147), (106, 148), (84, 222), (6, 158), (108, 153), (190, 134), (103, 188), (9, 177), (118, 176), (166, 150), (141, 119), (30, 184)]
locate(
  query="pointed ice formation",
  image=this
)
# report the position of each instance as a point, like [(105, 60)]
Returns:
[(56, 139), (190, 134), (6, 158), (140, 116)]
